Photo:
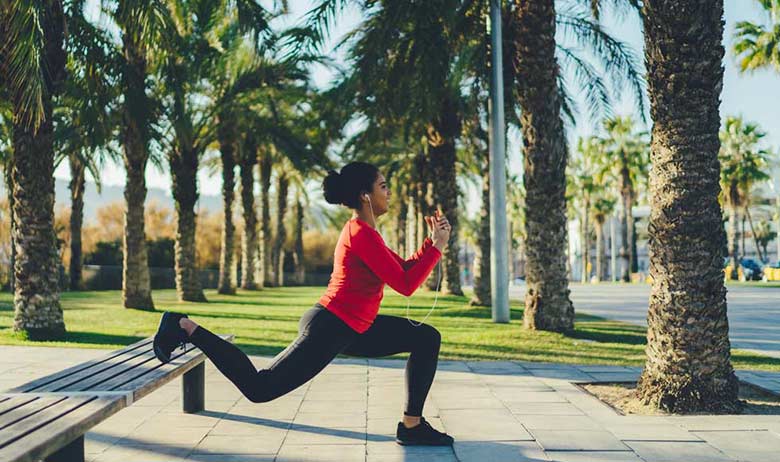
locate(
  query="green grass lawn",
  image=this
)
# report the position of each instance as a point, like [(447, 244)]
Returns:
[(265, 322)]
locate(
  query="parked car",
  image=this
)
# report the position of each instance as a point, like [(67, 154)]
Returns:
[(749, 270)]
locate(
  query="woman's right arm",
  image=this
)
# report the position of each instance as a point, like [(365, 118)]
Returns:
[(371, 249)]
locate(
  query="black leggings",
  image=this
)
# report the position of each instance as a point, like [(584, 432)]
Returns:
[(321, 336)]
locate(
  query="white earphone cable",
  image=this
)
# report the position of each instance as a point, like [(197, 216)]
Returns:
[(409, 298)]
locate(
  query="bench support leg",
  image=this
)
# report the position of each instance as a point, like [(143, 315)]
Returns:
[(194, 389), (73, 452)]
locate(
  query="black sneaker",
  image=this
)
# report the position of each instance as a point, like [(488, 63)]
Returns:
[(421, 435), (169, 336)]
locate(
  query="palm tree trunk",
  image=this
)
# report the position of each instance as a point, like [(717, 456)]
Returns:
[(600, 254), (37, 310), (184, 169), (300, 267), (227, 146), (77, 170), (482, 287), (403, 210), (249, 245), (266, 272), (9, 182), (585, 242), (687, 366), (136, 283), (733, 243), (281, 232), (441, 137), (753, 232), (547, 303)]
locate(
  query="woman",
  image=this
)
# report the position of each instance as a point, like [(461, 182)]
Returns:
[(345, 319)]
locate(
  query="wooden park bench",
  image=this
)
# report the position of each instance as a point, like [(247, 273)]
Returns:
[(46, 419)]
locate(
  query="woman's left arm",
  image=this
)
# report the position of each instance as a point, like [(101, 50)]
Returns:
[(411, 261)]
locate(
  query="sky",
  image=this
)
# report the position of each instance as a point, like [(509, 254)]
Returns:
[(755, 96)]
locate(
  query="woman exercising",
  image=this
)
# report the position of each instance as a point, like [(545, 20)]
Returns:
[(345, 319)]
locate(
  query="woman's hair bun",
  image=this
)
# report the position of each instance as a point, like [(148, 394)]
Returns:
[(333, 188)]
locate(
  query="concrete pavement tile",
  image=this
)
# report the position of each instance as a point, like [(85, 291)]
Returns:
[(148, 453), (558, 422), (499, 451), (332, 406), (724, 422), (577, 440), (651, 432), (543, 409), (535, 397), (340, 420), (664, 451), (755, 446), (232, 457), (592, 456), (484, 425), (454, 402), (390, 451), (313, 434), (178, 436), (252, 444), (322, 453), (250, 426)]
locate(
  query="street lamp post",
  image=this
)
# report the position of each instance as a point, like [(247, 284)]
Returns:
[(499, 278)]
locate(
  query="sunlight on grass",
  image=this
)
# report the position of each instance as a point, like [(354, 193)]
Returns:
[(265, 322)]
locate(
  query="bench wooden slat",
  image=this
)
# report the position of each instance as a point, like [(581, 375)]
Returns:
[(151, 370), (38, 383), (54, 430), (24, 412), (10, 403), (83, 381), (79, 380)]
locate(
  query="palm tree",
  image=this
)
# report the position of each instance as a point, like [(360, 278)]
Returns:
[(226, 137), (31, 74), (603, 206), (626, 160), (85, 122), (144, 26), (249, 245), (547, 303), (207, 34), (687, 365), (757, 45), (743, 163), (584, 184)]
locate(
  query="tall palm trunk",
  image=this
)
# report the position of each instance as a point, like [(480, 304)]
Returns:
[(227, 148), (627, 231), (482, 287), (547, 303), (687, 364), (300, 267), (9, 183), (249, 248), (403, 211), (600, 252), (265, 277), (136, 283), (37, 310), (585, 241), (184, 169), (77, 170), (441, 137), (733, 243), (277, 257)]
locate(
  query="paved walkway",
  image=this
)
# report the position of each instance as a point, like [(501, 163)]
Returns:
[(497, 411), (754, 312)]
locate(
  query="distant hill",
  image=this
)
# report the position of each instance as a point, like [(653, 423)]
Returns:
[(108, 194)]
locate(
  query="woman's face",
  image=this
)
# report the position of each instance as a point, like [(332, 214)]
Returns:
[(380, 196)]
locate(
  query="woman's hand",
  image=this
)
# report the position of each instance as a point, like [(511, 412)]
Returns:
[(440, 230)]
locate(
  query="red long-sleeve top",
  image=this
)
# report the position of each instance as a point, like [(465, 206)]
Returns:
[(362, 264)]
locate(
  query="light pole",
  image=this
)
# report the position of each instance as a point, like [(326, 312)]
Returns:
[(499, 277)]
